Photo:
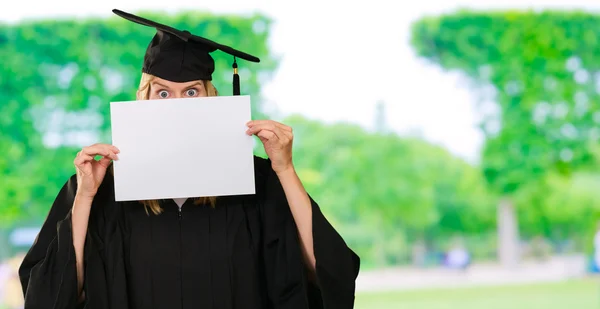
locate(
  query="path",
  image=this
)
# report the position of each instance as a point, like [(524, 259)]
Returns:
[(405, 278)]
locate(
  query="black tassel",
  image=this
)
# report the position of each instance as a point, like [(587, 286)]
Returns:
[(236, 78)]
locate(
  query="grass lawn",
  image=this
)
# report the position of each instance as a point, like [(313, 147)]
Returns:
[(576, 294)]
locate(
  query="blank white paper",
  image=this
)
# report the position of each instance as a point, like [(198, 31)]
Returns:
[(174, 148)]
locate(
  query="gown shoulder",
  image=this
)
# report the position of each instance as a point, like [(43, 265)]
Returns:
[(337, 266)]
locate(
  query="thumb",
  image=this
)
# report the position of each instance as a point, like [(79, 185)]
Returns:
[(104, 162)]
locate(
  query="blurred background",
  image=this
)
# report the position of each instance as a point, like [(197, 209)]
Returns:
[(453, 144)]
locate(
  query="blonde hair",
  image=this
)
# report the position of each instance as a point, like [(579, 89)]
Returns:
[(143, 93)]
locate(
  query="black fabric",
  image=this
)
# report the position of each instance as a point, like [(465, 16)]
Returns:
[(179, 56), (243, 253)]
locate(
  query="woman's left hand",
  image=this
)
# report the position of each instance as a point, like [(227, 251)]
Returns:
[(277, 140)]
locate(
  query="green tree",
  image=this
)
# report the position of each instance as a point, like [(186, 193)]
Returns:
[(383, 191), (58, 77), (540, 71), (570, 206)]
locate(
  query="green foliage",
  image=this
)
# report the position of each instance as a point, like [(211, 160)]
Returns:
[(382, 191), (541, 70), (560, 207), (59, 76)]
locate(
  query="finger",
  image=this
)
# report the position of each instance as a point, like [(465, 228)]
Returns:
[(275, 123), (257, 132), (105, 162), (267, 135), (111, 151), (109, 146), (82, 158), (271, 122), (100, 150), (255, 129), (270, 125), (97, 149), (282, 136), (266, 126), (263, 140)]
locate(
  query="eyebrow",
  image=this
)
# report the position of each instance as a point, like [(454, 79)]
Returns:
[(194, 85), (159, 84), (164, 86)]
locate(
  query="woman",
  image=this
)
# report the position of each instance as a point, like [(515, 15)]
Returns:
[(272, 249)]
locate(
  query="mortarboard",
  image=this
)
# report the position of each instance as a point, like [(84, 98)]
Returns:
[(179, 56)]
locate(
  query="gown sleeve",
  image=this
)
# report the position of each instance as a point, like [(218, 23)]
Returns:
[(337, 266), (48, 272)]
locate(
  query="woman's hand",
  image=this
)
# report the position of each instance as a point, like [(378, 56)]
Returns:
[(277, 139), (91, 172)]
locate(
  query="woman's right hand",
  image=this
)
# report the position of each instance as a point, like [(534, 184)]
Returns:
[(91, 172)]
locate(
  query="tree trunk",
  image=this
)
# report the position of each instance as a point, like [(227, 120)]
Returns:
[(5, 248), (508, 234), (419, 252), (380, 244)]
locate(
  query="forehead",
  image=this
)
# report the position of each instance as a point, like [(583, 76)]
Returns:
[(175, 85)]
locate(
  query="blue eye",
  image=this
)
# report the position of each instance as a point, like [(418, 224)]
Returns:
[(163, 94), (191, 92)]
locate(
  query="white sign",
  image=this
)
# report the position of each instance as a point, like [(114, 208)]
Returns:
[(175, 148)]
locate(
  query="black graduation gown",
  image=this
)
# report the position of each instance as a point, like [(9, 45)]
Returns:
[(243, 253)]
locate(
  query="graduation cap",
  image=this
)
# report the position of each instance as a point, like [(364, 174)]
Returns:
[(179, 56)]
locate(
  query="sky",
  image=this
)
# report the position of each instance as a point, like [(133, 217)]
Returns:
[(339, 58)]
